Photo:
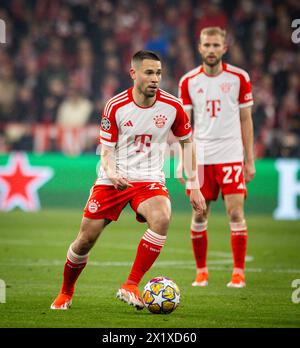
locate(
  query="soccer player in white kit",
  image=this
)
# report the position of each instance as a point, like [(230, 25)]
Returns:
[(218, 96), (134, 130)]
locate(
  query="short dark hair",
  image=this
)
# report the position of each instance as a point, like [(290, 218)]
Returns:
[(139, 56)]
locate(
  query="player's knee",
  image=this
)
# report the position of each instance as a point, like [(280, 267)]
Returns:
[(159, 221), (236, 215), (199, 218)]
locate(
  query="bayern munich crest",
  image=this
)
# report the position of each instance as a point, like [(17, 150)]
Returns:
[(160, 120), (93, 206), (225, 87), (187, 125)]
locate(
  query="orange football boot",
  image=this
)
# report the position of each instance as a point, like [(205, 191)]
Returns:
[(237, 281), (130, 294), (62, 301), (201, 279)]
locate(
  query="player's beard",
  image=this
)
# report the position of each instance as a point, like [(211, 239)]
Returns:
[(213, 63), (148, 93)]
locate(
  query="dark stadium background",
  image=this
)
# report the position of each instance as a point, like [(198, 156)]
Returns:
[(62, 55), (55, 48)]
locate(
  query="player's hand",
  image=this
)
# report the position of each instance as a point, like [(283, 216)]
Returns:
[(120, 183), (179, 174), (249, 171), (197, 201)]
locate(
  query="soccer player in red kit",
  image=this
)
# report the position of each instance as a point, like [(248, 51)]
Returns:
[(134, 129), (218, 96)]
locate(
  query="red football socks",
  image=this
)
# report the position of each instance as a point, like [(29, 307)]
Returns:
[(239, 244), (147, 252), (73, 267), (199, 243)]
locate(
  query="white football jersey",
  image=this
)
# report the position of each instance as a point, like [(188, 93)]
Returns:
[(216, 101), (139, 134)]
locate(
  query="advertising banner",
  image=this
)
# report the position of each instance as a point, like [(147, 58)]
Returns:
[(32, 182)]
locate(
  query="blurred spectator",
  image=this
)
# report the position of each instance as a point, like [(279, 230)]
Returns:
[(8, 93), (157, 42), (75, 110), (85, 67), (25, 106), (55, 93), (289, 112), (211, 15)]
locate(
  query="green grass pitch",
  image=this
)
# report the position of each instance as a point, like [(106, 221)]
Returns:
[(33, 251)]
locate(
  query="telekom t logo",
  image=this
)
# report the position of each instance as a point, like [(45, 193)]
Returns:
[(142, 140), (212, 106)]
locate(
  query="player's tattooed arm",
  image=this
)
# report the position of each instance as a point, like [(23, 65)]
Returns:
[(108, 160), (190, 168)]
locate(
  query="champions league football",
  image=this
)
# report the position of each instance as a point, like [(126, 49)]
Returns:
[(161, 295)]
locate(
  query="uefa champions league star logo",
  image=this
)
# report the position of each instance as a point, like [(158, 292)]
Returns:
[(105, 123), (19, 183)]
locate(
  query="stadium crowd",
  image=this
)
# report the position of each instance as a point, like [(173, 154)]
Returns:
[(63, 59)]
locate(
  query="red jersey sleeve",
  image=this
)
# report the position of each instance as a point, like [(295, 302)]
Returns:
[(183, 93), (245, 95), (109, 129), (181, 127)]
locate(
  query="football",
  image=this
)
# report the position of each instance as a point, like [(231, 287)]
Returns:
[(161, 295)]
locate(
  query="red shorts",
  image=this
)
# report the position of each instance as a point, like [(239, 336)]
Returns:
[(229, 177), (106, 202)]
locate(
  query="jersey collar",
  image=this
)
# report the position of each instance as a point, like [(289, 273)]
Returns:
[(209, 75)]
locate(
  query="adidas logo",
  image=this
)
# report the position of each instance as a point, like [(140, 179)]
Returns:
[(200, 90), (128, 124), (241, 186)]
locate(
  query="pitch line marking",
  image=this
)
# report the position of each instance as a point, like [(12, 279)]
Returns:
[(163, 264), (160, 264), (27, 242)]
